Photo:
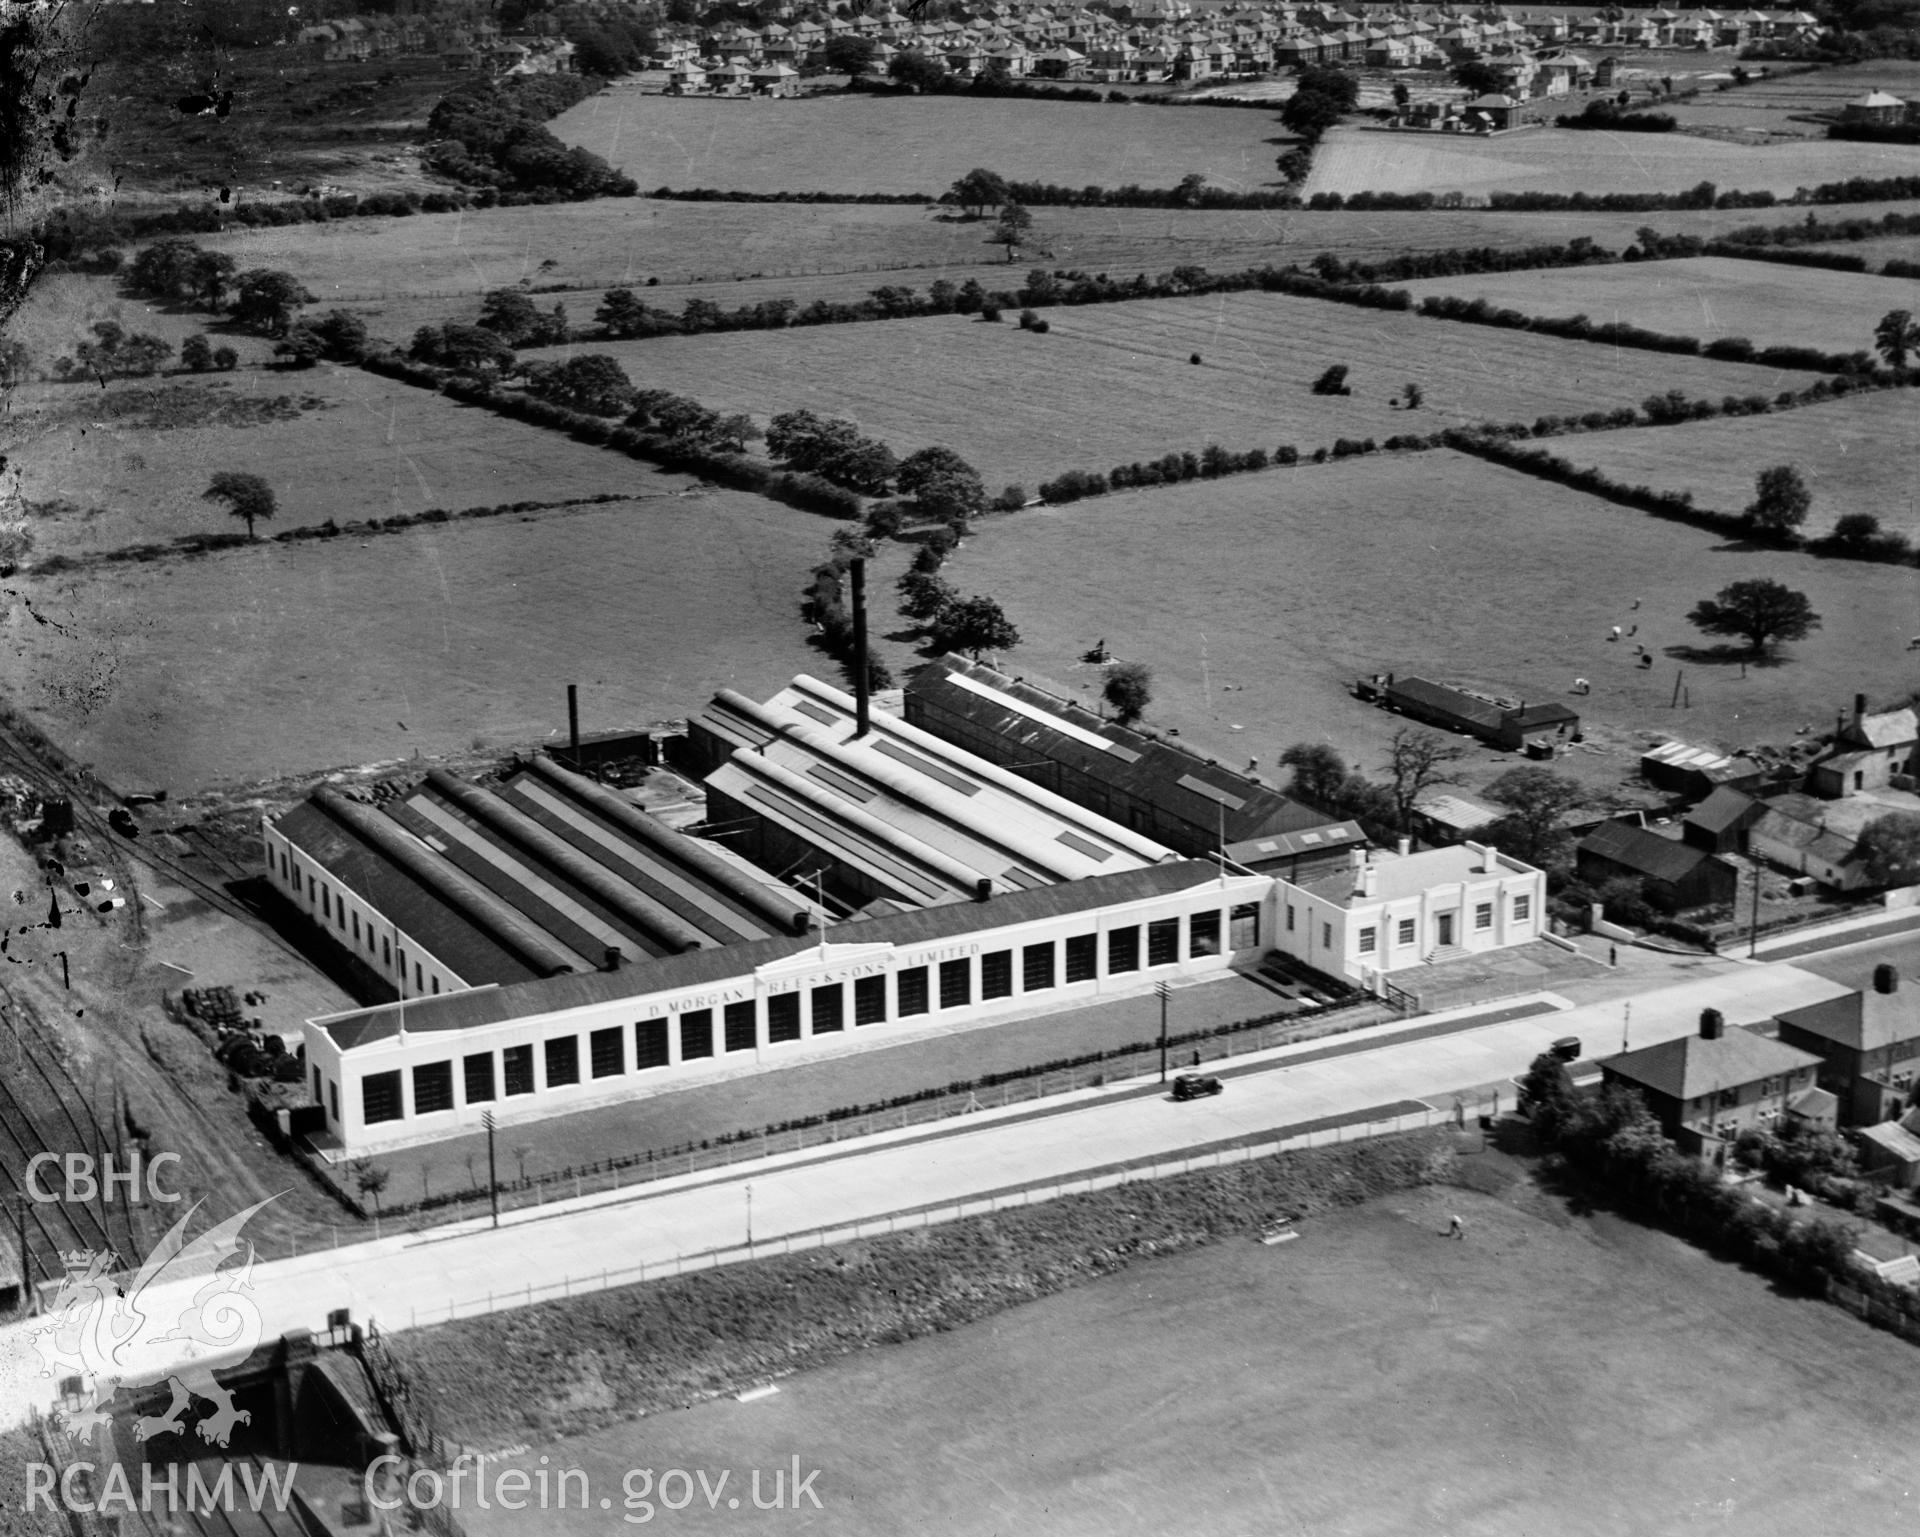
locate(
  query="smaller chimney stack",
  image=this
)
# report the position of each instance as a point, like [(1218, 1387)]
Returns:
[(613, 958), (983, 889), (573, 725), (1859, 707), (1886, 979), (1713, 1024), (1406, 847), (1369, 880)]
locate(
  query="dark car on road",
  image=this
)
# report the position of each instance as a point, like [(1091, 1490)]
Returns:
[(1193, 1086)]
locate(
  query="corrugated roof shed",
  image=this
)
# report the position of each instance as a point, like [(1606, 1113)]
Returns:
[(1693, 1066), (1635, 848), (1126, 762), (488, 1006)]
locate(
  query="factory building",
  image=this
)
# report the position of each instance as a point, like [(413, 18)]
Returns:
[(454, 886), (887, 814)]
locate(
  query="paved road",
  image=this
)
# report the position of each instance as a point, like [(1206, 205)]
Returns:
[(412, 1278)]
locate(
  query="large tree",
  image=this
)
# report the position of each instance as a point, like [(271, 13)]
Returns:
[(922, 71), (1129, 689), (1319, 773), (1012, 228), (1781, 502), (979, 190), (851, 56), (1889, 849), (974, 625), (1536, 799), (267, 299), (1897, 337), (1418, 761), (247, 497), (594, 383), (1759, 610)]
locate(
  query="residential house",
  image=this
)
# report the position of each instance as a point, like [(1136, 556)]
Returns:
[(775, 79), (1869, 752), (1709, 1087), (1674, 875), (1493, 113), (1869, 1046), (1792, 835), (1387, 912)]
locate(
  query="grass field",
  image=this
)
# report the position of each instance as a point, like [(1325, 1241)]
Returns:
[(1784, 107), (364, 447), (1876, 253), (291, 658), (1551, 1373), (1704, 296), (1857, 456), (915, 144), (1256, 599), (1353, 160), (62, 307), (1113, 382)]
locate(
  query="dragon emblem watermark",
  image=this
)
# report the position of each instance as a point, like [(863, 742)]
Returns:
[(113, 1336)]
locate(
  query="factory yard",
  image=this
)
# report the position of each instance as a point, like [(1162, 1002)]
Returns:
[(1114, 383), (1313, 576), (1354, 160), (867, 144), (291, 658), (1544, 1374), (1704, 296)]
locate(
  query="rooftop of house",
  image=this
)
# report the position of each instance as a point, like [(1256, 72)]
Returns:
[(1865, 1020), (1694, 1065)]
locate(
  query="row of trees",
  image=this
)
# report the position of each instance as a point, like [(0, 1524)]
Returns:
[(492, 133), (179, 271)]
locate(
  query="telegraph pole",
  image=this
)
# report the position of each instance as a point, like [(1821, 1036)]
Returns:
[(1163, 989), (493, 1182)]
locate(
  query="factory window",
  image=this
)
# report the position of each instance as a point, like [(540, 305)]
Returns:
[(356, 928), (1123, 949), (1522, 909), (386, 951), (516, 1070), (829, 1004), (783, 1017), (740, 1025), (996, 974), (870, 1000), (333, 1100), (1483, 915), (326, 901), (310, 888), (316, 1085), (1326, 936), (1289, 917), (434, 986), (418, 985), (1083, 957), (650, 1044), (956, 984), (380, 1097), (563, 1061), (432, 1087), (696, 1034), (284, 873), (607, 1052), (1203, 934), (479, 1068), (1163, 942), (1406, 932), (1369, 938), (1243, 926), (1036, 968), (911, 991)]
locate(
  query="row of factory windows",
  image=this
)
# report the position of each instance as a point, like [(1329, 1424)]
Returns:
[(916, 990), (334, 909)]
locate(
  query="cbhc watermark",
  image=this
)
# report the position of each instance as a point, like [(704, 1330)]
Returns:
[(85, 1179)]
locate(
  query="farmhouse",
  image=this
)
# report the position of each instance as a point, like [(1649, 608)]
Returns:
[(1869, 1046), (1716, 1084), (1159, 790), (1386, 912), (453, 886), (426, 1068), (883, 811), (1673, 874), (1869, 752), (1508, 724), (1792, 835)]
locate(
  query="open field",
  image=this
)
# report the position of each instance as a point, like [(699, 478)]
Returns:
[(61, 309), (1856, 455), (1113, 383), (349, 445), (1562, 159), (1877, 253), (915, 144), (1783, 106), (1549, 1373), (1703, 296), (1257, 599), (289, 658)]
